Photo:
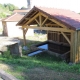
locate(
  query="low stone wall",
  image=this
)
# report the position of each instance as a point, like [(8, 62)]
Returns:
[(12, 44)]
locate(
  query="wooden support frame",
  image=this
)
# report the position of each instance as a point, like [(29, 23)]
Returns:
[(52, 25), (66, 38), (54, 21), (25, 30), (49, 28), (72, 48), (44, 21), (40, 19), (31, 19), (24, 37), (24, 41), (75, 48), (37, 21), (40, 23)]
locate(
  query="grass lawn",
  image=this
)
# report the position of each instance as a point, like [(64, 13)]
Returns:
[(40, 67)]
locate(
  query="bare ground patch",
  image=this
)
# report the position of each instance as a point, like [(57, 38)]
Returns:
[(45, 74)]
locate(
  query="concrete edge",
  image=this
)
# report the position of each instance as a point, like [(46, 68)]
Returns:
[(7, 76)]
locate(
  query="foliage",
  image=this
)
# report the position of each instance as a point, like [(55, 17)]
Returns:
[(10, 7), (7, 55), (6, 9), (2, 15)]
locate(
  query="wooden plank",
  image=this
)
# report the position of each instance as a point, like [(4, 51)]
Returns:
[(58, 36), (72, 48), (66, 38), (47, 35), (78, 46), (75, 52), (49, 28)]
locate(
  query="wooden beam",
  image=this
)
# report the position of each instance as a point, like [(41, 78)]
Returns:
[(31, 19), (24, 37), (49, 28), (75, 47), (37, 21), (40, 19), (62, 25), (52, 25), (25, 30), (44, 21), (66, 38), (72, 47), (78, 45)]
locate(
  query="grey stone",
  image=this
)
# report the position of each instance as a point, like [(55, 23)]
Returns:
[(16, 49), (12, 44), (3, 48)]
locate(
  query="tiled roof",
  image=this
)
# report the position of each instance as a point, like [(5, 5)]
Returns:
[(13, 18), (66, 17)]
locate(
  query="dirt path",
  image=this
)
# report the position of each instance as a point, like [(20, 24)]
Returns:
[(45, 74)]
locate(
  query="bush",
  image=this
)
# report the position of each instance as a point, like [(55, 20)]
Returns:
[(7, 54), (2, 15)]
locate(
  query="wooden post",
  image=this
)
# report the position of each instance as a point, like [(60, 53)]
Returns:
[(24, 37), (74, 54), (72, 47), (78, 46)]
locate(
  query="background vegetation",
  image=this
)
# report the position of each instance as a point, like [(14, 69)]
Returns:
[(6, 9)]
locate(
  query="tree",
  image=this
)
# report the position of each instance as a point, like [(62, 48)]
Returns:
[(11, 7)]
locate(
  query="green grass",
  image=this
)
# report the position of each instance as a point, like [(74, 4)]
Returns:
[(19, 66)]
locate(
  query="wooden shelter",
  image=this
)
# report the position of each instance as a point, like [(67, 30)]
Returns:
[(62, 26)]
